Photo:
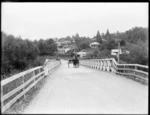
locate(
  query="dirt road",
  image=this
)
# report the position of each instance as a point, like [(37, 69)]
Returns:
[(85, 90)]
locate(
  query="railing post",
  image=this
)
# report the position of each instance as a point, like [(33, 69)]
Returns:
[(111, 69), (2, 103), (135, 67), (104, 66), (34, 78), (108, 65), (124, 70), (113, 64), (24, 96), (100, 67), (135, 71), (97, 64), (93, 64), (118, 52)]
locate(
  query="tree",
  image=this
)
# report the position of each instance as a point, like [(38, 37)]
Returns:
[(42, 47), (47, 47), (51, 46), (77, 36), (107, 35), (122, 43), (110, 44), (77, 39), (17, 53), (137, 55), (98, 37), (84, 46), (137, 34)]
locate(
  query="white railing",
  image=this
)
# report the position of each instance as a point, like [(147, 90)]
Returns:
[(134, 71), (14, 87)]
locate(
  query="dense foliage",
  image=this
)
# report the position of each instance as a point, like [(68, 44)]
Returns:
[(98, 38), (47, 47), (134, 40), (18, 55)]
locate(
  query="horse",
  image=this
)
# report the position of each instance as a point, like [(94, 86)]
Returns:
[(70, 61)]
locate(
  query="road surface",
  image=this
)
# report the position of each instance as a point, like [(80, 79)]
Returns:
[(86, 90)]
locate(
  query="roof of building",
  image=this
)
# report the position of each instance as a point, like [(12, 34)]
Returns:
[(115, 50), (95, 43)]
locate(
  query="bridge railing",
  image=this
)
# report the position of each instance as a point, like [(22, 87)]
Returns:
[(18, 85), (134, 71)]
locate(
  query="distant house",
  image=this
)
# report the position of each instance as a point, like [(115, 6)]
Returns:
[(94, 45), (65, 42), (83, 53), (116, 51), (61, 50), (73, 47), (66, 48)]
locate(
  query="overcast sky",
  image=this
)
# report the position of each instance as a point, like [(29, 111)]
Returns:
[(48, 20)]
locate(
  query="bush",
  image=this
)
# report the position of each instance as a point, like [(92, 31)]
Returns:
[(138, 54), (47, 47), (16, 54)]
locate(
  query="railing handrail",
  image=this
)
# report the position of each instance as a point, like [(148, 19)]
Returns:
[(136, 70), (30, 81), (121, 64), (9, 79)]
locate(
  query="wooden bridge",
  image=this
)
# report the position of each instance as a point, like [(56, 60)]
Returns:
[(97, 86)]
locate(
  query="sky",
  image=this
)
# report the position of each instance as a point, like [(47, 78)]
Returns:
[(49, 20)]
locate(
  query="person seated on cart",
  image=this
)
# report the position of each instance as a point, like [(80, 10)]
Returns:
[(74, 61), (77, 59)]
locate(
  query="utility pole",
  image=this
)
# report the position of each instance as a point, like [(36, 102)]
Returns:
[(118, 51)]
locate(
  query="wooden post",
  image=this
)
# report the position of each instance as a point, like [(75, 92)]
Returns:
[(34, 78), (124, 70), (135, 67), (23, 86), (118, 51), (2, 103), (134, 71)]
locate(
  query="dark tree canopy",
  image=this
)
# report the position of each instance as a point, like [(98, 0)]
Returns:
[(122, 43), (98, 37), (107, 35), (18, 54)]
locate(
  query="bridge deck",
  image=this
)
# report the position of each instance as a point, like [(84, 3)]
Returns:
[(85, 90)]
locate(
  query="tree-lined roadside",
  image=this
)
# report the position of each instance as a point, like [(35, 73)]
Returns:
[(19, 55), (134, 40)]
